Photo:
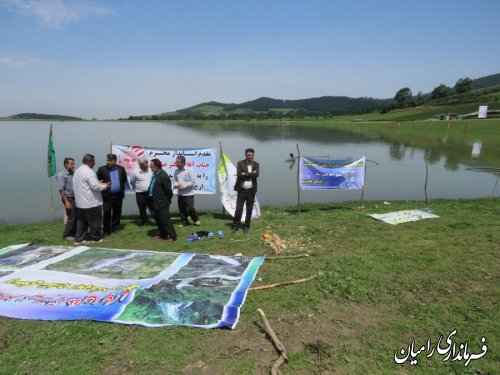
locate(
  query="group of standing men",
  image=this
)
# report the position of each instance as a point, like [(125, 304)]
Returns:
[(81, 192), (92, 201)]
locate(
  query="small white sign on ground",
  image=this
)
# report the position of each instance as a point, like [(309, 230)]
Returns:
[(404, 216)]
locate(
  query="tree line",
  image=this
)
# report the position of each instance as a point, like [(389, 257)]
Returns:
[(250, 115), (404, 96), (464, 89)]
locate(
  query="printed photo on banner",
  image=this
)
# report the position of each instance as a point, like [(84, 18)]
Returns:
[(203, 161), (147, 288)]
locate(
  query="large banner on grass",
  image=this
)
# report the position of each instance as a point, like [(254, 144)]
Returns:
[(203, 161), (321, 174), (227, 179), (148, 288)]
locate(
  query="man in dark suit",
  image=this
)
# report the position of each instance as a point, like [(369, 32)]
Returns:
[(247, 172), (160, 193), (113, 197)]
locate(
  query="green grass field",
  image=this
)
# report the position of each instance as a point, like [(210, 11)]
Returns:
[(379, 287)]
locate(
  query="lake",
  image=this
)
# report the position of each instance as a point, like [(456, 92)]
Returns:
[(395, 171)]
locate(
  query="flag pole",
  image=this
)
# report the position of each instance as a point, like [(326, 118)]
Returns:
[(364, 182), (223, 161), (51, 167), (298, 180), (51, 199), (426, 176)]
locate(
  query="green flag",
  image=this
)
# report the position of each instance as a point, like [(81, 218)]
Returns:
[(51, 155)]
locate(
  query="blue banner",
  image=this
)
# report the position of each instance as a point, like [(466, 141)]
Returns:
[(322, 174), (148, 288)]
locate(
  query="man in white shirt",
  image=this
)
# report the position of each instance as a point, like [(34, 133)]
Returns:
[(88, 201), (140, 182), (184, 183)]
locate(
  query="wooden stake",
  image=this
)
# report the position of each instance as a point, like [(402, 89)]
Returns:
[(277, 344), (269, 286), (292, 256)]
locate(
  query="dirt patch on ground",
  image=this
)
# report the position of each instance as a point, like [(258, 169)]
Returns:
[(318, 335)]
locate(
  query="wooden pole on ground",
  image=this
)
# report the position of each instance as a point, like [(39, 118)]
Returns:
[(292, 256), (269, 286), (276, 342)]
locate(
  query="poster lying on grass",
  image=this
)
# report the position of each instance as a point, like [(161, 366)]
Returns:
[(321, 174), (148, 288), (405, 216), (203, 161), (227, 179)]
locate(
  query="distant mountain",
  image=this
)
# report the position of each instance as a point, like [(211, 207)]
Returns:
[(487, 81), (206, 105), (321, 104), (328, 104), (40, 116)]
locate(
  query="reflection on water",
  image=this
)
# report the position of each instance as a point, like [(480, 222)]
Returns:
[(396, 170)]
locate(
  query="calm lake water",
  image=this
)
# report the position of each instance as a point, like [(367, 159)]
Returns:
[(394, 171)]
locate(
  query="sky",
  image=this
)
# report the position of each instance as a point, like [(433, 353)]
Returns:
[(108, 59)]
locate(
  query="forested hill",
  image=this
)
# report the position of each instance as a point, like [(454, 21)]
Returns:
[(41, 116), (487, 81), (324, 103)]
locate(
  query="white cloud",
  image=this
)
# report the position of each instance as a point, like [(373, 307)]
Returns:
[(56, 13), (11, 61), (22, 61)]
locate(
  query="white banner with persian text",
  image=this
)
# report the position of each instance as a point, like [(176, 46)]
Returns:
[(203, 161)]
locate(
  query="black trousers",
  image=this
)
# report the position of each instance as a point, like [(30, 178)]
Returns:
[(70, 227), (186, 208), (164, 223), (143, 203), (112, 213), (88, 218), (244, 197)]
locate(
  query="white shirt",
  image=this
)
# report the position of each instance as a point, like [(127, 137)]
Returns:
[(185, 177), (141, 180), (247, 184), (87, 188)]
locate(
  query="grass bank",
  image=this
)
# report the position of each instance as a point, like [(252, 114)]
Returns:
[(380, 287), (452, 140)]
